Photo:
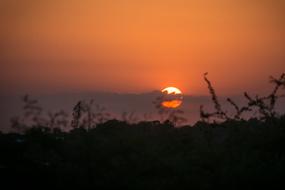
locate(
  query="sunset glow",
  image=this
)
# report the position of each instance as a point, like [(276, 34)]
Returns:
[(142, 94), (172, 98), (139, 46), (172, 103)]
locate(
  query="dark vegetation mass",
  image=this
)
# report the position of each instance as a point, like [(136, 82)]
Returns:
[(93, 150)]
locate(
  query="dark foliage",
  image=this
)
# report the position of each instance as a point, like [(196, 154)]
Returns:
[(103, 153), (148, 155)]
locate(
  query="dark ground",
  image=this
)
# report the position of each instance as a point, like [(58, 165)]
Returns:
[(148, 155)]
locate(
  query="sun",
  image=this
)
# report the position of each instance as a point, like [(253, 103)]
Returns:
[(171, 90), (172, 97)]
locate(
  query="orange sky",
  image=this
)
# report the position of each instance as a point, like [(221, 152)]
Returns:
[(140, 45)]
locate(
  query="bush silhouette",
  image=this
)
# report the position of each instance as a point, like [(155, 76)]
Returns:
[(98, 152)]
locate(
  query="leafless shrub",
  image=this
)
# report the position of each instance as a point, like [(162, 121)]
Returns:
[(273, 96), (32, 116), (76, 115), (88, 114), (219, 113), (101, 114), (205, 116), (265, 105), (260, 104), (58, 119), (239, 111)]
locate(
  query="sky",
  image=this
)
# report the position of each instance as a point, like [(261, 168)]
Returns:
[(135, 46)]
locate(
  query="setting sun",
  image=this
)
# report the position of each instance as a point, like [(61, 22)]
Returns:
[(172, 97), (172, 90)]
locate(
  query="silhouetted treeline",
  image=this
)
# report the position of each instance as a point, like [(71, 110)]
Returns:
[(220, 151), (148, 155)]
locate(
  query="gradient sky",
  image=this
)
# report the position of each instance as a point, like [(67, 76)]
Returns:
[(140, 45)]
